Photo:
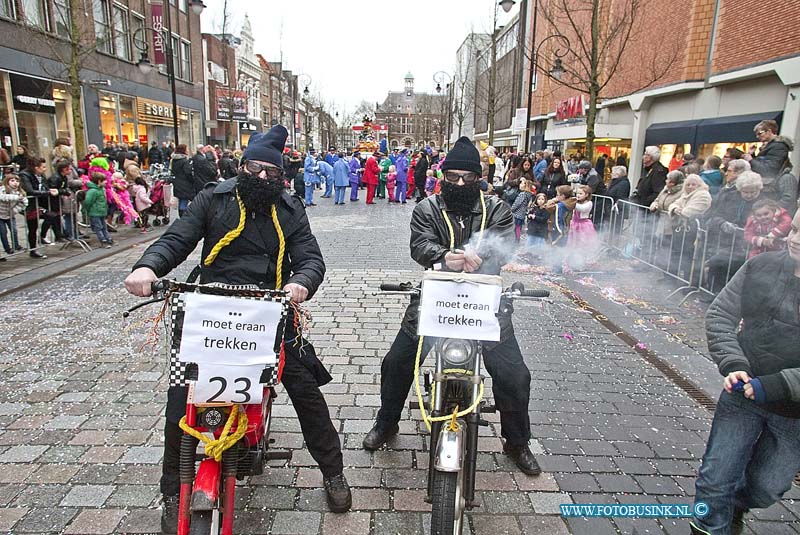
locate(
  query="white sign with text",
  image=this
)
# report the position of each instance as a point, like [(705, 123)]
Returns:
[(229, 331), (459, 308), (227, 384)]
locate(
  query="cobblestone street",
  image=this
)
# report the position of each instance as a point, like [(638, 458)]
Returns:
[(81, 403)]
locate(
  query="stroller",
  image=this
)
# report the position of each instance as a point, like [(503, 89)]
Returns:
[(161, 196)]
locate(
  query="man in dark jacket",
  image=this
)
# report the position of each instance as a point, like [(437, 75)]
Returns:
[(204, 169), (184, 184), (154, 155), (753, 450), (420, 175), (227, 165), (773, 158), (651, 184), (252, 258), (431, 236)]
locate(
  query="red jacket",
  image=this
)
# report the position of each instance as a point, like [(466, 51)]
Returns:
[(371, 171), (778, 227)]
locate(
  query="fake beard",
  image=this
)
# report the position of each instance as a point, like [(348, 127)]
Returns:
[(460, 199), (258, 195)]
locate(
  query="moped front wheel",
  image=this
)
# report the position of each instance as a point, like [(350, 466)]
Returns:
[(202, 523), (447, 503)]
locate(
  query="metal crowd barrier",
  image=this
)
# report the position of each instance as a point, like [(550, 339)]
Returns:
[(699, 258)]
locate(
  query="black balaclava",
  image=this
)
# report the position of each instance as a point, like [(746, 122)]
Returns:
[(259, 194), (460, 199)]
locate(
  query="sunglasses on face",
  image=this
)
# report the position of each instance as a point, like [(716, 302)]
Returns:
[(468, 178), (255, 168)]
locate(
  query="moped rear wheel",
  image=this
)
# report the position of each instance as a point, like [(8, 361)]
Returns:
[(202, 523), (447, 503)]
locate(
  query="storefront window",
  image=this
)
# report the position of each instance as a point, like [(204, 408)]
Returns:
[(197, 136), (718, 149), (108, 117), (184, 128), (127, 120)]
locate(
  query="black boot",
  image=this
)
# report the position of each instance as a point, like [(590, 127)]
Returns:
[(524, 458), (378, 436), (339, 498), (169, 514), (737, 523)]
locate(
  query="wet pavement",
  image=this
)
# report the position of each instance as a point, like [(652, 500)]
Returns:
[(81, 403)]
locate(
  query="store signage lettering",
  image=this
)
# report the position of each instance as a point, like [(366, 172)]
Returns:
[(158, 110), (571, 108), (159, 46), (35, 101)]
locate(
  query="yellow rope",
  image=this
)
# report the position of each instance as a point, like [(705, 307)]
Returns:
[(215, 447), (230, 236), (450, 225), (281, 249), (428, 419), (233, 234)]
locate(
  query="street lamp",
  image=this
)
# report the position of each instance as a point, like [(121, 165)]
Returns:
[(439, 77), (198, 6), (556, 71), (145, 67)]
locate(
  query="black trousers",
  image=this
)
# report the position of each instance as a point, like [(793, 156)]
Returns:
[(301, 384), (48, 222), (511, 383)]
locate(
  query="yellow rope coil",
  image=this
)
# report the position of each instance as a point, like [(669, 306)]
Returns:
[(230, 236), (428, 419), (215, 447)]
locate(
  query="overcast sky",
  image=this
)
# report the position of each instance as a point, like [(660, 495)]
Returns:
[(359, 50)]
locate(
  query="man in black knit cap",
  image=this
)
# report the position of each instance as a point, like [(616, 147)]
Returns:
[(460, 202), (251, 257)]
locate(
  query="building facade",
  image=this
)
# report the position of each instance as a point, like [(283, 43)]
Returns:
[(117, 102), (225, 106), (248, 83), (414, 119)]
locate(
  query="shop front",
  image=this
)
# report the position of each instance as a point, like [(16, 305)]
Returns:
[(34, 112), (118, 118), (156, 123), (247, 129), (566, 130)]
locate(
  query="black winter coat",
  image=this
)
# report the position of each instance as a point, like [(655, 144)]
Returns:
[(619, 189), (772, 159), (420, 172), (37, 187), (430, 242), (651, 184), (154, 155), (252, 257), (227, 167), (184, 184), (204, 169)]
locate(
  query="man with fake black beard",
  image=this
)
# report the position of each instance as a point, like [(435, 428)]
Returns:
[(249, 256), (437, 244)]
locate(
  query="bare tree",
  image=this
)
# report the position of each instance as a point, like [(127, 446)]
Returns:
[(464, 84), (603, 36), (71, 47)]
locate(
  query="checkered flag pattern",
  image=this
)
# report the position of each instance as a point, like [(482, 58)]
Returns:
[(177, 311)]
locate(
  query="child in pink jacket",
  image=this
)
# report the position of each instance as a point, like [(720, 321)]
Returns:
[(767, 227), (141, 199)]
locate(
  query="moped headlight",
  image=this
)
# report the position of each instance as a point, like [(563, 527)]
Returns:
[(457, 353)]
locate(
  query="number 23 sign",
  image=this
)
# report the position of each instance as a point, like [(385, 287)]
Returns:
[(227, 384)]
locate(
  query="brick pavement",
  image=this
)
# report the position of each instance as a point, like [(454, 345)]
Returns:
[(80, 410)]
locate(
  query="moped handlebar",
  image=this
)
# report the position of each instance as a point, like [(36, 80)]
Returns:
[(395, 287), (517, 290)]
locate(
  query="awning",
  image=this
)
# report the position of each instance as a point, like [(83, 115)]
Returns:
[(677, 133), (736, 128)]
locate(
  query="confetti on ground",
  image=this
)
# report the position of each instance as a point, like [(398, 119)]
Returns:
[(667, 320), (568, 336), (641, 346)]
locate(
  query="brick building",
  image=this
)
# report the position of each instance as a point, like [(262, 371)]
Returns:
[(118, 102), (717, 87), (224, 105), (414, 119)]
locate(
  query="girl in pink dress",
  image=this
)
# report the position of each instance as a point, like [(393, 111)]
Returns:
[(583, 245)]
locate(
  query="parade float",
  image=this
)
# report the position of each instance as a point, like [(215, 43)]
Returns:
[(366, 138)]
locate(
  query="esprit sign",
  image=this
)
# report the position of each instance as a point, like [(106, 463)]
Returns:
[(154, 112), (570, 108)]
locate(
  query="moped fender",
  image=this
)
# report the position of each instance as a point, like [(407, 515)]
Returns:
[(449, 450), (206, 486)]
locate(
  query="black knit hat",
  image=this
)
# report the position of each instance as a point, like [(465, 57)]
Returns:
[(464, 156), (267, 146)]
